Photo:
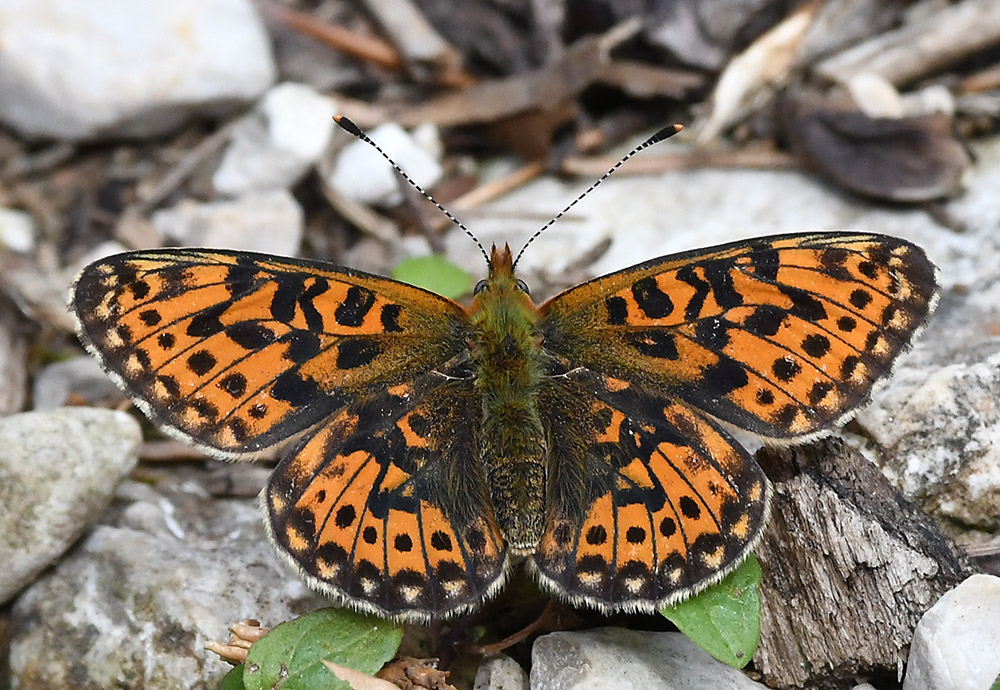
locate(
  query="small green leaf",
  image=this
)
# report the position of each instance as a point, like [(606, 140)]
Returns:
[(996, 684), (233, 680), (294, 651), (724, 620), (434, 273)]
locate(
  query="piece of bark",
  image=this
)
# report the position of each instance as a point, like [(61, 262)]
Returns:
[(13, 358), (923, 47), (850, 565), (365, 48), (840, 24), (642, 80), (426, 53), (548, 88)]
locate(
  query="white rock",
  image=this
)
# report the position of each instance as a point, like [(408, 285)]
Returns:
[(273, 147), (81, 70), (58, 471), (619, 659), (361, 174), (955, 644), (269, 222), (500, 673), (78, 376), (134, 603), (937, 432), (17, 230)]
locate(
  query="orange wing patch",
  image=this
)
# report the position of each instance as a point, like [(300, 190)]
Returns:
[(239, 351), (365, 509), (672, 503)]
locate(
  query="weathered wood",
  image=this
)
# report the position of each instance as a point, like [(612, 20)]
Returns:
[(849, 565), (922, 47)]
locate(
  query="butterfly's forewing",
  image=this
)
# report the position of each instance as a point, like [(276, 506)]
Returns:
[(239, 351), (386, 505), (781, 336), (649, 500)]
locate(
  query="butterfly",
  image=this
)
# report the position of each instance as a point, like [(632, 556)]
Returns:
[(425, 444)]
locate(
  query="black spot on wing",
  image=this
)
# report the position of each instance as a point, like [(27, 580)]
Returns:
[(250, 335), (234, 384), (286, 297), (765, 320), (785, 369), (720, 276), (302, 346), (206, 322), (804, 305), (765, 263), (653, 302), (150, 317), (816, 345), (356, 352), (355, 307), (390, 318), (617, 310), (723, 377), (295, 390), (713, 333), (201, 362), (314, 320), (654, 343)]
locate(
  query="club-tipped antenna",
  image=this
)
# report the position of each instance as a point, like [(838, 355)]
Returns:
[(664, 133), (351, 128)]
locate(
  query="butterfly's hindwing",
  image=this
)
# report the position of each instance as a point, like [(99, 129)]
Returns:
[(240, 351), (386, 505), (781, 336), (649, 500)]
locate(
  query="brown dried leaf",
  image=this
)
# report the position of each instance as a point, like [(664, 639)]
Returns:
[(746, 80), (409, 673), (909, 159)]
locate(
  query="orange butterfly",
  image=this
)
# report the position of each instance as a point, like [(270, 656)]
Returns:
[(429, 442)]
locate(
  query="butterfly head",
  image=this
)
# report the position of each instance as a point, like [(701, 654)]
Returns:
[(501, 279)]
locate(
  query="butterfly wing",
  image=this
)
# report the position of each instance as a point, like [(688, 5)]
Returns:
[(649, 500), (236, 351), (781, 336), (386, 506)]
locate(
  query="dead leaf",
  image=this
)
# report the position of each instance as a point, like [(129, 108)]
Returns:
[(766, 63), (908, 159)]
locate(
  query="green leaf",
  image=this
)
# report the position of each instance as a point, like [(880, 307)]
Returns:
[(233, 680), (724, 620), (294, 651), (996, 684), (434, 273)]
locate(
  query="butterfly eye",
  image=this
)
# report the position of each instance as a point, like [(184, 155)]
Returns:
[(480, 286), (523, 286)]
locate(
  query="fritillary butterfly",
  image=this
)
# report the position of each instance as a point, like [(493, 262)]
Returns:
[(426, 443)]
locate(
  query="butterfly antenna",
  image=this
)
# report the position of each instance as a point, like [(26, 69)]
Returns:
[(348, 126), (664, 133)]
